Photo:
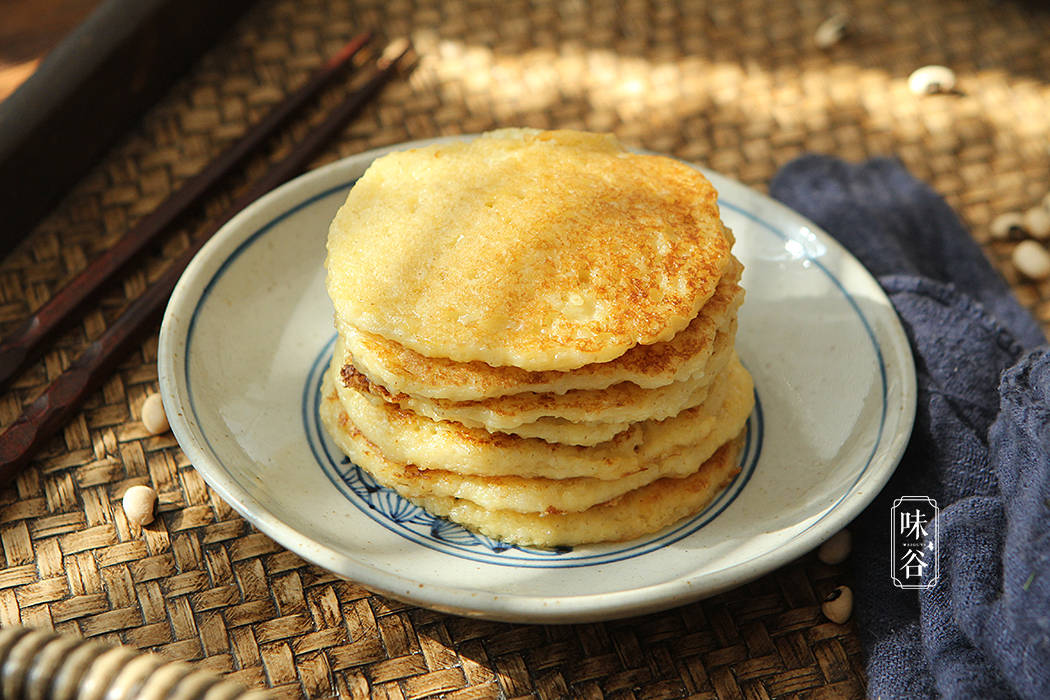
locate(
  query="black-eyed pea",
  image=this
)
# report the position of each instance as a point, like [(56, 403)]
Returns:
[(929, 80), (831, 30), (837, 606), (1010, 224)]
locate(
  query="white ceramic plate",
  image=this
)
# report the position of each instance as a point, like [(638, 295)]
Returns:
[(249, 330)]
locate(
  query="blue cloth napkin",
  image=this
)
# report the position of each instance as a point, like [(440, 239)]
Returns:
[(980, 445)]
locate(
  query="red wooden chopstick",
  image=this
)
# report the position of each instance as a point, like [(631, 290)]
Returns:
[(24, 342), (52, 408)]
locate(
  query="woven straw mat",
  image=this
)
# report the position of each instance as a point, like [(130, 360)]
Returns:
[(738, 86)]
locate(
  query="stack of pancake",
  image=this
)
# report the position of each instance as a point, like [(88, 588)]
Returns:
[(536, 336)]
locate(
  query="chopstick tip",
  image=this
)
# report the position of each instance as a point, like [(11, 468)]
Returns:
[(350, 48), (394, 52)]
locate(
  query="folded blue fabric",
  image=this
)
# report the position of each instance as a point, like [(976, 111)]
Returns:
[(980, 445)]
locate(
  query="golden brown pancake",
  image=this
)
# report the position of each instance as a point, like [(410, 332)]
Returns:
[(548, 415), (537, 336), (407, 438), (401, 370), (541, 494), (639, 512), (539, 250)]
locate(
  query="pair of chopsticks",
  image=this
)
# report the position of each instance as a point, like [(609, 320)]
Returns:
[(51, 409)]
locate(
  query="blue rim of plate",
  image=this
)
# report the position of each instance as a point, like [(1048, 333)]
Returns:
[(529, 557)]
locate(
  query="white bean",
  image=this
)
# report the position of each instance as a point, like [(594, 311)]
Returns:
[(1037, 222), (1031, 259), (139, 505), (836, 549), (153, 415)]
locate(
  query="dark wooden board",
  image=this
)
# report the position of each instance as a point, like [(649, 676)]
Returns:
[(90, 90)]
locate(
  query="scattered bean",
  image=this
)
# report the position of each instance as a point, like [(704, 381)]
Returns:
[(838, 605), (931, 79), (153, 415), (1037, 222), (1031, 259), (831, 30), (1005, 225), (139, 505), (836, 549)]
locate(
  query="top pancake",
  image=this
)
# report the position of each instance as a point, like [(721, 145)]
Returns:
[(538, 250), (404, 371)]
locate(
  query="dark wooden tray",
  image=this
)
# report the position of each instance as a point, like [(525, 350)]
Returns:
[(89, 91)]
